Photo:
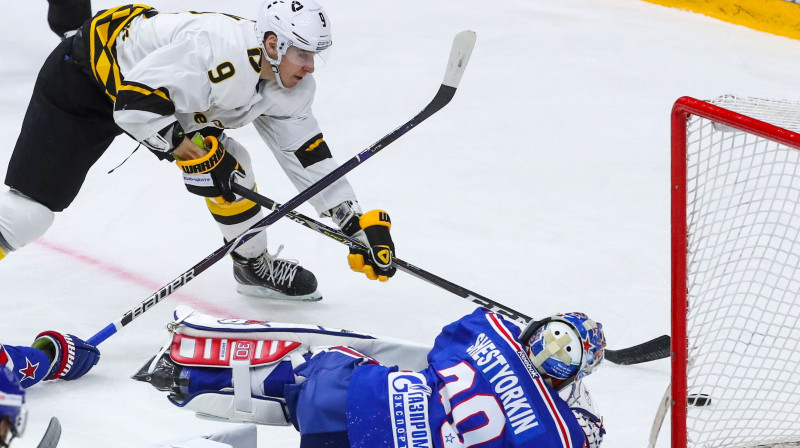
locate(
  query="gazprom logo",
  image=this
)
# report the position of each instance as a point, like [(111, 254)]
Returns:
[(406, 383), (408, 410)]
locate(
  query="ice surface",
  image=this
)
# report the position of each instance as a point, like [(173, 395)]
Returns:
[(544, 185)]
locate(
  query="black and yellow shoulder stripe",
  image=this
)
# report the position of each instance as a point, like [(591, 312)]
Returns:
[(132, 95), (104, 29)]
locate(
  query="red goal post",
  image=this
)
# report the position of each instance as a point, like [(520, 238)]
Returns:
[(735, 272)]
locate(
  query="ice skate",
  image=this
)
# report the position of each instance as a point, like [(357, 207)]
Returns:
[(274, 278)]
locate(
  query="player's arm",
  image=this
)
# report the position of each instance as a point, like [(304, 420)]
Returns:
[(52, 356), (300, 148), (145, 108), (28, 364), (149, 95)]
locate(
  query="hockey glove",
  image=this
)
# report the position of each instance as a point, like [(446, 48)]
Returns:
[(212, 175), (372, 228), (70, 357)]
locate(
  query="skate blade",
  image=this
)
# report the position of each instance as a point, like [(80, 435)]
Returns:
[(266, 293)]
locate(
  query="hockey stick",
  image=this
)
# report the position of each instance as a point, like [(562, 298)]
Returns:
[(652, 350), (648, 351), (663, 407), (456, 64), (697, 399), (51, 435)]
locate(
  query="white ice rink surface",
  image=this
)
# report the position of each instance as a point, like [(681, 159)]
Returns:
[(544, 185)]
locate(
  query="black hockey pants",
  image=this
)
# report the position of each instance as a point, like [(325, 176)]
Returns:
[(68, 126)]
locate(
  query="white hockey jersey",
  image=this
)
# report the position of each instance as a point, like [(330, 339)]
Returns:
[(203, 70)]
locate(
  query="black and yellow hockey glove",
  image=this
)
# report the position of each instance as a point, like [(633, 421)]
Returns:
[(372, 228), (211, 175)]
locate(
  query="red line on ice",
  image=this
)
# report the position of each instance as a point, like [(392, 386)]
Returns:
[(122, 273)]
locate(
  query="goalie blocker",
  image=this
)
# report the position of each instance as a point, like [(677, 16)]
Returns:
[(328, 384)]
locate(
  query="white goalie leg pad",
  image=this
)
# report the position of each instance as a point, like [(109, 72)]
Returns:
[(22, 220), (223, 406), (251, 357), (245, 403), (243, 436), (404, 354)]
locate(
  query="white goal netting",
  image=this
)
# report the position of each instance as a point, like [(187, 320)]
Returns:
[(743, 279)]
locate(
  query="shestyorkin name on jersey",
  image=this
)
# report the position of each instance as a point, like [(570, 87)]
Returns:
[(505, 383)]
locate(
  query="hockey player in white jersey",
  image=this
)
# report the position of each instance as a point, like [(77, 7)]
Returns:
[(175, 82)]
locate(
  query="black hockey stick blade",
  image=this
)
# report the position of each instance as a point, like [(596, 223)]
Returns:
[(652, 350), (52, 435)]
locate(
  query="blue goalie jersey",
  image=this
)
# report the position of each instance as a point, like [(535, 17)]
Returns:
[(480, 389)]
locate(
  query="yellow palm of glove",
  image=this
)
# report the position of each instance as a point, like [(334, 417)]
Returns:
[(356, 262)]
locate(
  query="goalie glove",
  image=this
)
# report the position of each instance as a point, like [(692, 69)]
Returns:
[(70, 357), (372, 229), (583, 407), (212, 175)]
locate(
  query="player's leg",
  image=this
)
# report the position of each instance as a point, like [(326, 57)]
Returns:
[(253, 371), (22, 220), (67, 127), (318, 404), (66, 16), (257, 272)]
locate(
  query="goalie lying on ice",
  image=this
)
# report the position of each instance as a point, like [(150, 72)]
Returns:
[(484, 382)]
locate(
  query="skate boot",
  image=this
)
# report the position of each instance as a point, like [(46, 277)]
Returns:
[(274, 278), (163, 374)]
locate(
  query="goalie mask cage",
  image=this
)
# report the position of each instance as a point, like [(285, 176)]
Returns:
[(736, 272)]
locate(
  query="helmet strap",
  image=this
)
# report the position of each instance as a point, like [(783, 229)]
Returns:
[(274, 63), (277, 74)]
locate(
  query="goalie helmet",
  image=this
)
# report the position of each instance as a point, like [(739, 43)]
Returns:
[(12, 399), (565, 347), (296, 23)]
